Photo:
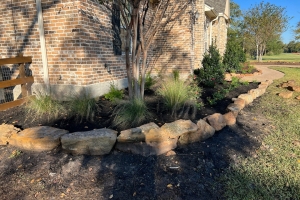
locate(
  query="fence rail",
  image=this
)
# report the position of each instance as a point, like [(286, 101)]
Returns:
[(23, 80)]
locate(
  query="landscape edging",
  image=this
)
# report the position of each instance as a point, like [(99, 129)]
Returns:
[(156, 144)]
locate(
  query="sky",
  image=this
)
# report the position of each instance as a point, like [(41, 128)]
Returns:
[(292, 10)]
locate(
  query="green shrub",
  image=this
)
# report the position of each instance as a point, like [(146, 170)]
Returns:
[(82, 106), (43, 105), (114, 93), (212, 71), (235, 82), (130, 113), (149, 81), (176, 92), (233, 57)]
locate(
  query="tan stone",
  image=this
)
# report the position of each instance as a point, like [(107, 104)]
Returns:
[(240, 102), (216, 120), (95, 142), (296, 88), (149, 148), (136, 134), (204, 132), (228, 77), (284, 85), (291, 83), (42, 138), (178, 128), (254, 93), (6, 130), (230, 118), (247, 97), (234, 108), (286, 95), (171, 153), (298, 97), (263, 86)]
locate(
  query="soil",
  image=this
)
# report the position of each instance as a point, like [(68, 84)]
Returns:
[(193, 173)]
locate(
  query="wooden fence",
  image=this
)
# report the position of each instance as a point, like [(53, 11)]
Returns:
[(23, 80)]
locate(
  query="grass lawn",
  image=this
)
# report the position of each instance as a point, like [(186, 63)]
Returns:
[(275, 172), (286, 57)]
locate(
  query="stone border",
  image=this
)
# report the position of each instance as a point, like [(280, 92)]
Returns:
[(148, 139), (228, 76)]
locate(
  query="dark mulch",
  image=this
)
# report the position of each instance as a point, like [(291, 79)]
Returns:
[(103, 115), (193, 173)]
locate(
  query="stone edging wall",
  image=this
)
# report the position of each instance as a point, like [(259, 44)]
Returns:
[(148, 139)]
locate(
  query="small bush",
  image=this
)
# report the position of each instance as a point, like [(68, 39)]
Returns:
[(149, 81), (82, 106), (114, 93), (176, 92), (233, 57), (43, 105), (130, 113), (212, 72)]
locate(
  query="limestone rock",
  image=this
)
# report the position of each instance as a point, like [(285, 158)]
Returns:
[(263, 86), (42, 138), (298, 97), (171, 153), (230, 118), (204, 132), (240, 102), (284, 85), (234, 108), (286, 95), (228, 77), (296, 88), (178, 128), (247, 97), (254, 93), (136, 134), (6, 130), (95, 142), (148, 149), (291, 83), (216, 120)]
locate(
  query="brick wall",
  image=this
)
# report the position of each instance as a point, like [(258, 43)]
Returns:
[(78, 35), (179, 45)]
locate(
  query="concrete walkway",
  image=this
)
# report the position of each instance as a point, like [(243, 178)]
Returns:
[(267, 74)]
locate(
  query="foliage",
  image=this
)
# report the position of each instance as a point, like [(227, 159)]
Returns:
[(176, 92), (212, 71), (247, 68), (263, 23), (15, 153), (233, 56), (275, 47), (149, 81), (274, 172), (297, 31), (43, 105), (130, 113), (114, 93), (292, 47), (82, 106)]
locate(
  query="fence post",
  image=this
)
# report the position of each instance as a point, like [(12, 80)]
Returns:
[(23, 75)]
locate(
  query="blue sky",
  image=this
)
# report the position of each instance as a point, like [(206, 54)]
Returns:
[(292, 9)]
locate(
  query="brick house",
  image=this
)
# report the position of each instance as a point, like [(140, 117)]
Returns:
[(72, 42)]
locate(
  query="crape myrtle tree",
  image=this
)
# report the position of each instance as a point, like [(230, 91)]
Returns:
[(264, 22), (141, 20)]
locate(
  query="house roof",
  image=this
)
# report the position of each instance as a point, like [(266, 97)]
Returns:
[(219, 6)]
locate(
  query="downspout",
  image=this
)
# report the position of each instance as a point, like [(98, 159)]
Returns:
[(43, 45), (210, 31)]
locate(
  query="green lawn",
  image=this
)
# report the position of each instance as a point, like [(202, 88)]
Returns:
[(286, 57), (275, 172)]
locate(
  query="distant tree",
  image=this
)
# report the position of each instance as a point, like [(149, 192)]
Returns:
[(275, 47), (297, 31), (292, 47), (264, 22)]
